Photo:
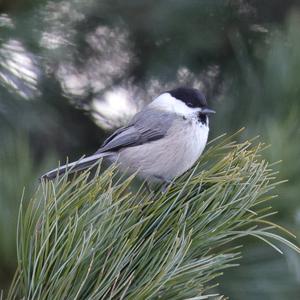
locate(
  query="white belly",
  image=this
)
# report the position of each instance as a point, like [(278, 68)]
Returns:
[(170, 156)]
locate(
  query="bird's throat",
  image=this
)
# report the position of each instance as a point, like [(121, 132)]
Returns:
[(202, 118)]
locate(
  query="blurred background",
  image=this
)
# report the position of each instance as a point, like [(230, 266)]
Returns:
[(71, 71)]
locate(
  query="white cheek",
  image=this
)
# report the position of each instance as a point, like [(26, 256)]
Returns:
[(165, 102)]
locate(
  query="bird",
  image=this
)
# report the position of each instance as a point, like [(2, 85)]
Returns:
[(160, 143)]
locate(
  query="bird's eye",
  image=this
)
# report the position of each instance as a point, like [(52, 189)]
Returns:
[(189, 104)]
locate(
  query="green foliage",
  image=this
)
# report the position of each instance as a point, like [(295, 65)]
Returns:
[(267, 102), (95, 238), (13, 153), (17, 170)]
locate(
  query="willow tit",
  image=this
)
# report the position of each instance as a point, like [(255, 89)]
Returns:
[(161, 142)]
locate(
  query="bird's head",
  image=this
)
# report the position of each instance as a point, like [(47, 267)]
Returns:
[(183, 101)]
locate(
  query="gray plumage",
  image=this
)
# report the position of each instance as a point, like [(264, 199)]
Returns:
[(161, 142), (139, 131)]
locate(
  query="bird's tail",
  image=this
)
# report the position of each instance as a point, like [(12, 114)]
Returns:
[(75, 166)]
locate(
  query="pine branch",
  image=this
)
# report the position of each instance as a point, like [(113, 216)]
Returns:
[(97, 238)]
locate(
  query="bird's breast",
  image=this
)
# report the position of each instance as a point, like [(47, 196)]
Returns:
[(193, 140), (171, 155)]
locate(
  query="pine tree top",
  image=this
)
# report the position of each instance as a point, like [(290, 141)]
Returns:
[(98, 237)]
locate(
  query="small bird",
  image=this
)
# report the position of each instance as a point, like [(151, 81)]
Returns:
[(161, 142)]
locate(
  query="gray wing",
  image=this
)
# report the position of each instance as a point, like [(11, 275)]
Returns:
[(147, 125)]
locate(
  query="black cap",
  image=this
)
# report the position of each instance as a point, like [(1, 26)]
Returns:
[(191, 97)]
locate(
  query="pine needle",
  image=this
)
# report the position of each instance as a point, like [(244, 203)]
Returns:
[(98, 238)]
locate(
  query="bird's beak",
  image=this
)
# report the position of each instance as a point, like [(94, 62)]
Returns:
[(207, 110)]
